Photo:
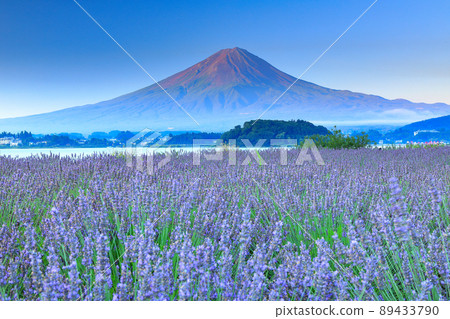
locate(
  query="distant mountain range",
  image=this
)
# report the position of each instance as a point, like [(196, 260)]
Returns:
[(441, 124), (435, 129), (226, 89)]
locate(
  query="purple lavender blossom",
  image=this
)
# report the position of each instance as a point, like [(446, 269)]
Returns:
[(90, 228)]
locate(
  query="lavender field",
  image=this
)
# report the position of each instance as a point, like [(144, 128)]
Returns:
[(368, 225)]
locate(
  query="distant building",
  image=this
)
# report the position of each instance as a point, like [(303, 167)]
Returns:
[(5, 140), (425, 131), (81, 142), (10, 141)]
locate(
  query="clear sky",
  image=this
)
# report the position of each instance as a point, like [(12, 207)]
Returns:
[(52, 56)]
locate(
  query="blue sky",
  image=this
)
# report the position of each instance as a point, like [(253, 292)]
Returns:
[(52, 56)]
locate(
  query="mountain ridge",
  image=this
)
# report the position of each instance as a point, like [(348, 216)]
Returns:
[(438, 123)]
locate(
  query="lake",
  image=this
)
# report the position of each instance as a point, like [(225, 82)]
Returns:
[(25, 152)]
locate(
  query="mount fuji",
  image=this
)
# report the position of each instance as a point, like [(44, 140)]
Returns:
[(228, 88)]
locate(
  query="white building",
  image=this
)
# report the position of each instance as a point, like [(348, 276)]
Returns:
[(10, 141), (425, 131)]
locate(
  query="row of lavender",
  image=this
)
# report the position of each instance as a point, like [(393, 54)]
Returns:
[(368, 225)]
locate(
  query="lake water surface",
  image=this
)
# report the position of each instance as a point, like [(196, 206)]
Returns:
[(25, 152)]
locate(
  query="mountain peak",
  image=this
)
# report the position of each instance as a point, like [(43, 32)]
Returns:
[(229, 56), (234, 50), (232, 66)]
